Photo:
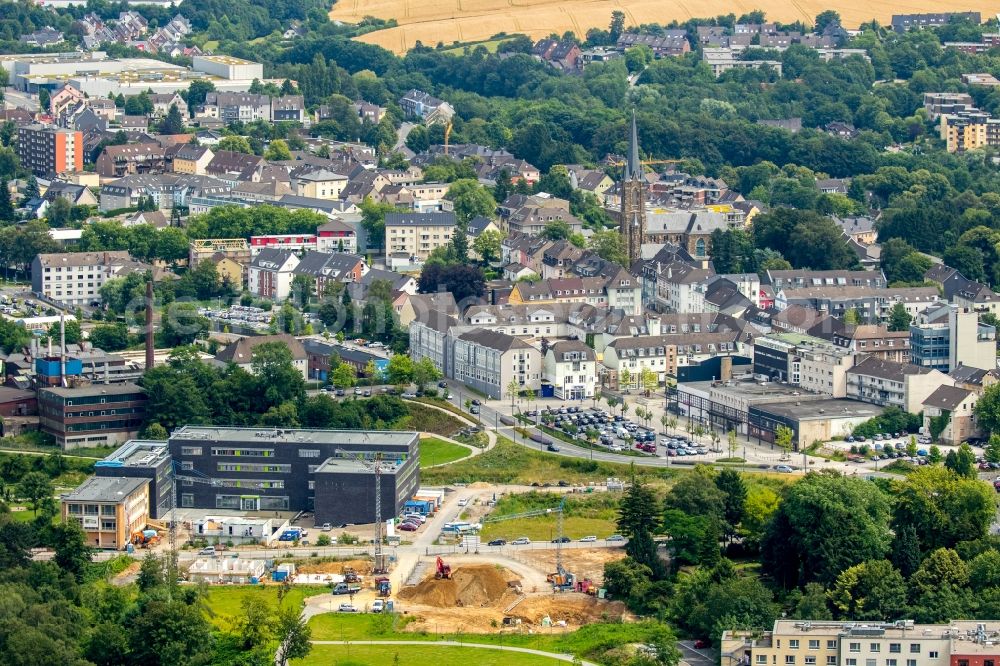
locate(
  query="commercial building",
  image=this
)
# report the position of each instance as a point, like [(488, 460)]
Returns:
[(571, 370), (488, 362), (811, 420), (903, 643), (417, 234), (142, 459), (726, 404), (91, 415), (76, 278), (108, 510), (272, 469), (98, 76), (46, 150), (803, 360), (972, 343)]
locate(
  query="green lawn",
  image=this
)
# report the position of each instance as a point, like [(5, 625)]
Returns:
[(223, 602), (584, 515), (417, 655), (491, 46), (434, 451), (598, 641), (512, 463)]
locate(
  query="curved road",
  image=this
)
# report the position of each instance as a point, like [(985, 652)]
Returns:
[(484, 646)]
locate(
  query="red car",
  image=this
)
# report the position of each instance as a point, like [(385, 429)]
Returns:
[(701, 643), (408, 527)]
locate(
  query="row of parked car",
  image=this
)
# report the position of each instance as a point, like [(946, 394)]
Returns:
[(524, 541), (411, 522)]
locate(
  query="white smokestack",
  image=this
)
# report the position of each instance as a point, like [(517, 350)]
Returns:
[(62, 349)]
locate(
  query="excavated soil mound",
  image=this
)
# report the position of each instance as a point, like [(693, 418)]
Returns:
[(477, 586), (574, 609)]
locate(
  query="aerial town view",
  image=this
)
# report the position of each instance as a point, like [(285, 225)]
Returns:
[(454, 332)]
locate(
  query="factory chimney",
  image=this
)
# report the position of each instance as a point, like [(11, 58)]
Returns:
[(62, 349), (149, 325)]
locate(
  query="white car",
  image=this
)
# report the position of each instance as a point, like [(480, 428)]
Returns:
[(463, 502), (588, 539), (378, 606), (520, 541), (415, 516), (347, 608)]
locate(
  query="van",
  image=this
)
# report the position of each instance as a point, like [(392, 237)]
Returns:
[(463, 502)]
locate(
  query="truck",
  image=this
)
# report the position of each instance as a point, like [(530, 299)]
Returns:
[(383, 587), (345, 588)]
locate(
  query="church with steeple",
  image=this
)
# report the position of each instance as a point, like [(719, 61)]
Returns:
[(632, 214)]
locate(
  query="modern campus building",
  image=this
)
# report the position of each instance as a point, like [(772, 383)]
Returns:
[(141, 459), (273, 469)]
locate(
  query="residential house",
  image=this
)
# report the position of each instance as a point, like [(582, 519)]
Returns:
[(956, 406), (874, 340), (325, 268), (558, 259), (670, 43), (163, 101), (75, 278), (318, 183), (240, 352), (187, 158), (270, 274), (108, 510), (336, 236), (77, 195), (133, 158)]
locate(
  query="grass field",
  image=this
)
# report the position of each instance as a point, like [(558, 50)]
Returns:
[(593, 641), (427, 419), (508, 462), (418, 655), (449, 21), (434, 451), (584, 515), (223, 602), (490, 45)]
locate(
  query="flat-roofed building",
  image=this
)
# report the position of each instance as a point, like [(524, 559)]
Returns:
[(108, 510), (143, 459), (95, 415), (275, 469)]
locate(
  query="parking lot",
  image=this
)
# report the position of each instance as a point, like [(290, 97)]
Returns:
[(615, 433)]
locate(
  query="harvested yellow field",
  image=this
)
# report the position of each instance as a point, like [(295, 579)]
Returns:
[(433, 21)]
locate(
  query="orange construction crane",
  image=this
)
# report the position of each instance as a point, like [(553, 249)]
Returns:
[(447, 135)]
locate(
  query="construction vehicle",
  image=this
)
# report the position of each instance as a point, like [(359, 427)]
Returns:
[(351, 576), (345, 588), (587, 586), (561, 580), (145, 538), (443, 570), (383, 587)]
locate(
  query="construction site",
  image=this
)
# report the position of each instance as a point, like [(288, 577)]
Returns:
[(481, 593)]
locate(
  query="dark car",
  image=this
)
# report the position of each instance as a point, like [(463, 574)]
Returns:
[(476, 402), (563, 539), (498, 542), (443, 384)]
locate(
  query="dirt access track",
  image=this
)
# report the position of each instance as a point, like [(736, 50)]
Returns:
[(447, 21), (480, 594)]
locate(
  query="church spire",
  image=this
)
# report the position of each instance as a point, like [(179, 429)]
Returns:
[(633, 167)]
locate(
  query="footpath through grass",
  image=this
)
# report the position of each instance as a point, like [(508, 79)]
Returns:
[(426, 419), (419, 655), (599, 642), (434, 451)]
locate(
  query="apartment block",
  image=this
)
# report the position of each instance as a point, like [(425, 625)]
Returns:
[(417, 234), (900, 643), (76, 278), (45, 150)]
